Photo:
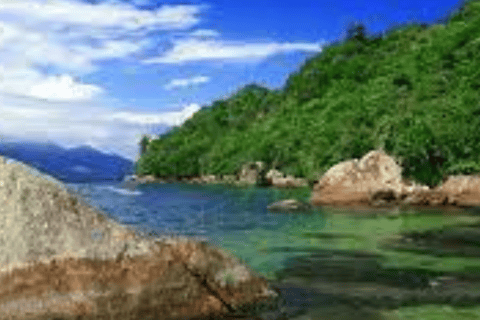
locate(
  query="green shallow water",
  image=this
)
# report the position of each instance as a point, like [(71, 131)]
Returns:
[(265, 251), (274, 243)]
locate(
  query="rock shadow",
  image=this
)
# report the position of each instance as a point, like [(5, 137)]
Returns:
[(457, 241), (359, 279)]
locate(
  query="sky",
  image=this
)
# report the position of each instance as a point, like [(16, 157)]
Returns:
[(102, 73)]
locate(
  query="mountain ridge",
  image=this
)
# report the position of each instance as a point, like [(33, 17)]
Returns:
[(72, 165)]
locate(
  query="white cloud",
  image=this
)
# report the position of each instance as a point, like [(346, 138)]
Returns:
[(205, 33), (175, 83), (18, 113), (63, 88), (73, 36), (30, 83), (102, 15), (174, 118), (83, 122), (197, 50)]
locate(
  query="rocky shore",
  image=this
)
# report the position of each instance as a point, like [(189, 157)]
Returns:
[(252, 173), (62, 259), (376, 181)]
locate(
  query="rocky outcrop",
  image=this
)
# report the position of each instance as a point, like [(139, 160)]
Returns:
[(210, 179), (250, 173), (355, 182), (277, 179), (61, 258), (289, 182), (229, 179), (462, 190), (273, 175), (376, 180), (289, 205)]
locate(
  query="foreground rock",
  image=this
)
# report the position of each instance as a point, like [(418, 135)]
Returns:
[(60, 258), (289, 205), (376, 180)]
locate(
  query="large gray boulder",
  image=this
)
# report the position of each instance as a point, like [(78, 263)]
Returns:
[(61, 258)]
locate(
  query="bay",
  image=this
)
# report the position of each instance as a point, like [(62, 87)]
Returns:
[(314, 251)]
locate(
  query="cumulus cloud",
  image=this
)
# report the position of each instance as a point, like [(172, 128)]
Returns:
[(176, 83), (63, 88), (102, 15), (30, 83), (174, 118), (197, 50), (73, 36)]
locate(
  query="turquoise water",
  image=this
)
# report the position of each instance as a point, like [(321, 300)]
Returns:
[(231, 218), (279, 246)]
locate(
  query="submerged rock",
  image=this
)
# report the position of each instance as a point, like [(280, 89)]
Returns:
[(289, 205), (59, 257)]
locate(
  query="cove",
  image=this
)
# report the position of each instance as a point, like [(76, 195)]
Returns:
[(327, 264)]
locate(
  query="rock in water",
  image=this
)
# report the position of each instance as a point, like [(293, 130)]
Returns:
[(376, 180), (60, 258), (288, 205), (352, 182)]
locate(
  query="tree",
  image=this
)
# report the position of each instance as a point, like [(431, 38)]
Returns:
[(356, 31), (144, 144)]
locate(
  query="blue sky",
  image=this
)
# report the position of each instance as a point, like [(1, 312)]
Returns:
[(101, 73)]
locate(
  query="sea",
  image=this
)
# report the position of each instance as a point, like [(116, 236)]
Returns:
[(234, 219)]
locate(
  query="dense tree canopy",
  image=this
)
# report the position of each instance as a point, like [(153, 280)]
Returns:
[(413, 92)]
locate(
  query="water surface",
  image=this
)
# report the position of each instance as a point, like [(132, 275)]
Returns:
[(301, 247)]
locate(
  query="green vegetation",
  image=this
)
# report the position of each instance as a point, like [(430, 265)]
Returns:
[(144, 144), (412, 92)]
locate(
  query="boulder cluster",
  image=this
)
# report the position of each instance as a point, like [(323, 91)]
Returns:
[(376, 180)]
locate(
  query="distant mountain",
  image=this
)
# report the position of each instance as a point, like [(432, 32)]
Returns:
[(82, 164)]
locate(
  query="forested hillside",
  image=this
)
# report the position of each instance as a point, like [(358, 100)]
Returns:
[(413, 92)]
